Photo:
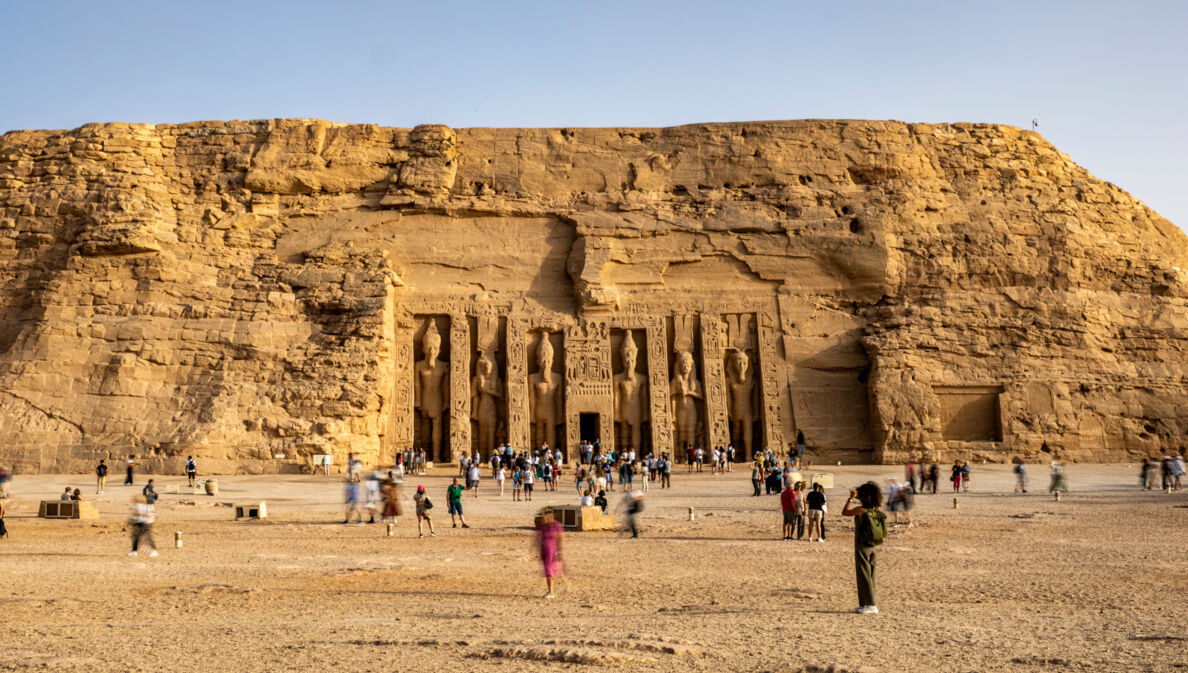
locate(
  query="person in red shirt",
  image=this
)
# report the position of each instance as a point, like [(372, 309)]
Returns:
[(789, 505)]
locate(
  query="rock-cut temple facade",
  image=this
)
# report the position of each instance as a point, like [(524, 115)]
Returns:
[(259, 293)]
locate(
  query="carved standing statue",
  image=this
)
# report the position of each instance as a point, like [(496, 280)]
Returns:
[(544, 390), (740, 380), (686, 390), (431, 382), (486, 391), (630, 396)]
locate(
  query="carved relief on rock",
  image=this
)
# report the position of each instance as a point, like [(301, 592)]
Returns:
[(459, 387), (486, 386), (630, 397), (545, 387), (431, 389), (517, 384), (661, 423), (402, 394), (715, 384), (742, 392), (685, 388), (773, 380)]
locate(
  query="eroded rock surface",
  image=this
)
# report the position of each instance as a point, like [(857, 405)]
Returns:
[(240, 291)]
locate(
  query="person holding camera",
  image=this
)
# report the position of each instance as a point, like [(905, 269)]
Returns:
[(870, 528)]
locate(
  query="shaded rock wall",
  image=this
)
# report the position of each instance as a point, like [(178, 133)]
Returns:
[(238, 291)]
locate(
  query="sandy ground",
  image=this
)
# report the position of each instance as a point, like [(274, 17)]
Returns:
[(1095, 582)]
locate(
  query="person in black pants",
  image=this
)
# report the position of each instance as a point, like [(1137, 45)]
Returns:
[(128, 475)]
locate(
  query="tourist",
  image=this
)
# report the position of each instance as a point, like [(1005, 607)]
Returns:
[(633, 502), (911, 472), (76, 495), (500, 476), (1020, 477), (551, 543), (5, 477), (601, 501), (143, 516), (474, 477), (700, 455), (131, 464), (373, 497), (816, 513), (801, 510), (714, 456), (3, 528), (788, 507), (327, 461), (392, 508), (629, 471), (644, 475), (1177, 472), (354, 465), (495, 461), (934, 476), (965, 476), (517, 483), (666, 471), (454, 503), (955, 476), (529, 482), (100, 476), (587, 499), (351, 496), (756, 476), (1057, 484), (870, 528), (799, 448), (150, 491), (66, 495), (546, 474), (892, 499), (423, 506), (1165, 471)]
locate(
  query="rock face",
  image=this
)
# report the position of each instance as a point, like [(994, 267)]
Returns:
[(256, 293)]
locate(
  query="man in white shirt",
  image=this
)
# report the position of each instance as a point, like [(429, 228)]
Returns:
[(327, 461)]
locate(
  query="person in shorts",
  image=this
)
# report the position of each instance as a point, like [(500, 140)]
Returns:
[(423, 505), (454, 503), (789, 505), (529, 481), (191, 470), (816, 513)]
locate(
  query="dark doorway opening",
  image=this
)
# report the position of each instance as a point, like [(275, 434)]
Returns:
[(588, 427)]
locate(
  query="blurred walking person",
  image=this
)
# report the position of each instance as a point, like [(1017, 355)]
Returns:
[(143, 517), (633, 502), (351, 496), (551, 544), (131, 465)]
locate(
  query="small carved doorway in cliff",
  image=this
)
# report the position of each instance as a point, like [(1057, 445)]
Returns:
[(588, 425)]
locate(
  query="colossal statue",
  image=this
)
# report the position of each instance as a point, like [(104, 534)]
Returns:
[(740, 380), (429, 395), (544, 390), (686, 391), (630, 397), (486, 391)]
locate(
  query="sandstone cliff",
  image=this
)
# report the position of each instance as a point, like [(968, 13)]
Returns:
[(238, 290)]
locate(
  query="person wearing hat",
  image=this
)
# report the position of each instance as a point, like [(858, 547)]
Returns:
[(423, 504)]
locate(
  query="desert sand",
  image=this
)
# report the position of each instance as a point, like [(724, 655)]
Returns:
[(1094, 582)]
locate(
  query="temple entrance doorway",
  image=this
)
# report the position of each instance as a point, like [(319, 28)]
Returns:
[(588, 427)]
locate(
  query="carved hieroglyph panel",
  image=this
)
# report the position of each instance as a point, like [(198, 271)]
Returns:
[(459, 387), (658, 388), (717, 419), (517, 384), (588, 379), (402, 394), (773, 383)]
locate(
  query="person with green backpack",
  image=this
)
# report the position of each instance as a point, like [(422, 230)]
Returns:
[(870, 527)]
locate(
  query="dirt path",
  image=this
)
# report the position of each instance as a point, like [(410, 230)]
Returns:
[(1096, 582)]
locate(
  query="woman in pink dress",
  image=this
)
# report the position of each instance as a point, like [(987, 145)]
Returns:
[(551, 542)]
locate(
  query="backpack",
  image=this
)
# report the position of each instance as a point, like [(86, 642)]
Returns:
[(872, 527), (428, 503)]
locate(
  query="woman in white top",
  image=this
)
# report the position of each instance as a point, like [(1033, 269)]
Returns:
[(500, 475), (587, 499)]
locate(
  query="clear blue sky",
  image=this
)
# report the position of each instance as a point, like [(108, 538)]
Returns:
[(1107, 81)]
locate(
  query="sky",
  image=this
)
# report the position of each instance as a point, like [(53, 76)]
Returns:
[(1106, 81)]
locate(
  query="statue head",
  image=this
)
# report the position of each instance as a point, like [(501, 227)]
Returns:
[(544, 353), (630, 353), (485, 364), (431, 344), (740, 362), (685, 363)]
